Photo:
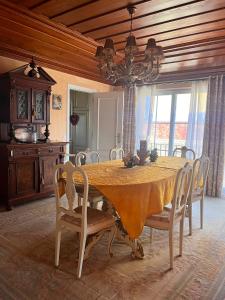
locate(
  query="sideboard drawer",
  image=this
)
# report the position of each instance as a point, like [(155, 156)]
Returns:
[(50, 150), (23, 152)]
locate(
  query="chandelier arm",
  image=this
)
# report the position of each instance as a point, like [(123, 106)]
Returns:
[(130, 71)]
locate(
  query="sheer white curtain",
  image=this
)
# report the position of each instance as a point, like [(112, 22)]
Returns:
[(144, 112), (196, 119)]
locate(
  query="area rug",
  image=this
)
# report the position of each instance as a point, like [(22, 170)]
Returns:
[(27, 260)]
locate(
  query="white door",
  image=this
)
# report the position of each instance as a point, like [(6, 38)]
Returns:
[(106, 122)]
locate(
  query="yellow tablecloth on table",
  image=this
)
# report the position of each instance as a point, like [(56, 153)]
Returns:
[(138, 192)]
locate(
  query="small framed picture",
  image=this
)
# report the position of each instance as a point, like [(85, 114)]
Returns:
[(56, 102)]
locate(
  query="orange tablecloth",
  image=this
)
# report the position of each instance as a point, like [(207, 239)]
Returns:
[(136, 193)]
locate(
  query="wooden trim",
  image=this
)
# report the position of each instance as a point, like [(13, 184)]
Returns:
[(16, 10), (23, 55), (190, 75)]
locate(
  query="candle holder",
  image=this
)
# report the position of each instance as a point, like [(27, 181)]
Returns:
[(143, 153), (130, 160), (153, 155)]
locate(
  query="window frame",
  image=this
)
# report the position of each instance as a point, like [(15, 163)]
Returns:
[(173, 93)]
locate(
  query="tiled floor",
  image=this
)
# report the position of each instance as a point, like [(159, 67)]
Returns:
[(27, 261)]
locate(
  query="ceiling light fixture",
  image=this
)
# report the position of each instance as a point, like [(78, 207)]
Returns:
[(131, 70)]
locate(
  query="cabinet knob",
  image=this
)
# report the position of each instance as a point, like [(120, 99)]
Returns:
[(33, 112), (50, 150)]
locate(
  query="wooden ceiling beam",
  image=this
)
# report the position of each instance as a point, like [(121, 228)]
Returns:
[(193, 55), (106, 14), (200, 43), (74, 8), (39, 4), (181, 40), (122, 17), (171, 24), (127, 20), (182, 35), (196, 64)]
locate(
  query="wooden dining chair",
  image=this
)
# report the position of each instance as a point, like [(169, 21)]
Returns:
[(84, 220), (71, 157), (87, 157), (116, 153), (183, 152), (176, 213), (198, 185)]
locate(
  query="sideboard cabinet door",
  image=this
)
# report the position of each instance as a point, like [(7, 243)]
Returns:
[(39, 107), (21, 112), (23, 177), (47, 167)]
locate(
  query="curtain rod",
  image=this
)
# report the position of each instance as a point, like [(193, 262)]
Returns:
[(188, 77)]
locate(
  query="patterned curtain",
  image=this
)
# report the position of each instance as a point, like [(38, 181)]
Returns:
[(214, 134), (196, 118), (129, 119)]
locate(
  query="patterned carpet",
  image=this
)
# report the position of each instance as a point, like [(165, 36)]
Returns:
[(27, 261)]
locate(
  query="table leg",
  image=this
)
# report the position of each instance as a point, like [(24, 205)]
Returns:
[(135, 244)]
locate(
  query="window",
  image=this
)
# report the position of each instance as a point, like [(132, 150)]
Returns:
[(170, 121)]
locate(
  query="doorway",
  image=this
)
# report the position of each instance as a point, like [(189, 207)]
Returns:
[(100, 121)]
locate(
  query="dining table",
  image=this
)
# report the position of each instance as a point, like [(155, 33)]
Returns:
[(135, 193)]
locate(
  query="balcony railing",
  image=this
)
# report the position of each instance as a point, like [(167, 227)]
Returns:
[(163, 149)]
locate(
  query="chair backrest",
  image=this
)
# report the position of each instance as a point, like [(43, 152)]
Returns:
[(200, 173), (181, 191), (183, 152), (116, 153), (87, 157), (65, 176), (71, 157)]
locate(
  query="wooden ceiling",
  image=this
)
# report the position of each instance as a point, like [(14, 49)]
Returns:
[(64, 34)]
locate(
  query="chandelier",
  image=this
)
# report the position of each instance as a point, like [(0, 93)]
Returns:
[(132, 69)]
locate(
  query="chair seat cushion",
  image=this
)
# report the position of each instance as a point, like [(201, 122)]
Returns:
[(196, 194), (159, 221), (97, 220)]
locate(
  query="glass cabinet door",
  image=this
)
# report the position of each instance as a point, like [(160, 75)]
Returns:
[(39, 106), (22, 105)]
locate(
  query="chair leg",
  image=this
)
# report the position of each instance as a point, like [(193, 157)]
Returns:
[(81, 254), (181, 237), (57, 247), (201, 211), (171, 247), (112, 235), (79, 200), (190, 218), (151, 234)]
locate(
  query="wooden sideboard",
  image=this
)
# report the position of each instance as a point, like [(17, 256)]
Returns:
[(27, 171)]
